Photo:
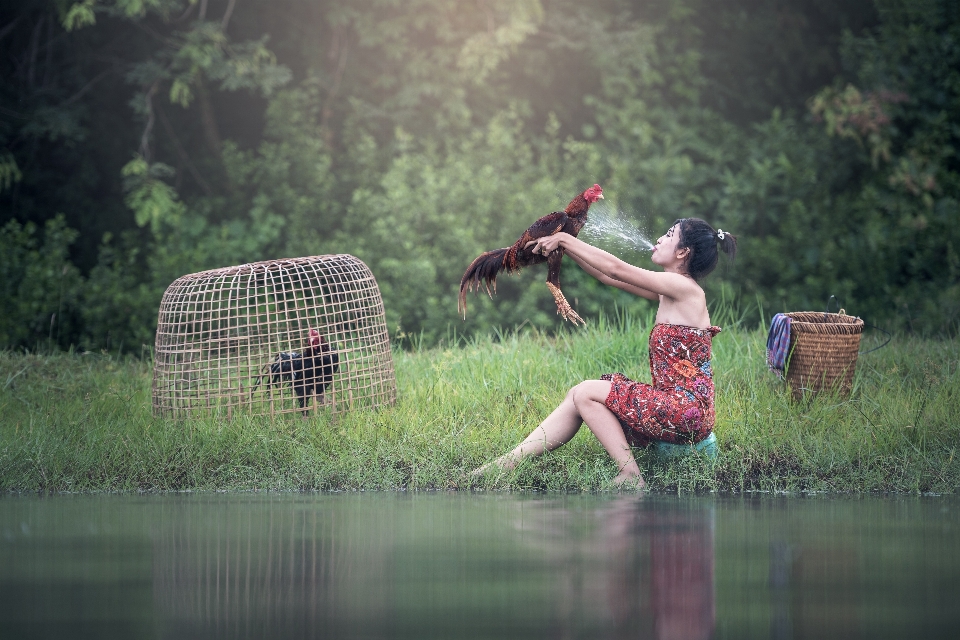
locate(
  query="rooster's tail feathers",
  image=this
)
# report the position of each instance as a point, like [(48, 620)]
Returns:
[(482, 274)]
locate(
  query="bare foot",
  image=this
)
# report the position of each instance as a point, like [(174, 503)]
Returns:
[(503, 463), (479, 471), (629, 482)]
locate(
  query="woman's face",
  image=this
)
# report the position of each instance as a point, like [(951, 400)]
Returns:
[(665, 251)]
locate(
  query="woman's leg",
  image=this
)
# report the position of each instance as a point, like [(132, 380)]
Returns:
[(557, 429), (590, 398), (586, 402)]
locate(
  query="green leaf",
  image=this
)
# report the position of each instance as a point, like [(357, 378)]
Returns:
[(180, 93), (80, 14), (9, 171), (152, 201)]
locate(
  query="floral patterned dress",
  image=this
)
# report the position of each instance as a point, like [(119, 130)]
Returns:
[(678, 406)]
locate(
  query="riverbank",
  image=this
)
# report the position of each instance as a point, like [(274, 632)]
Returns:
[(72, 422)]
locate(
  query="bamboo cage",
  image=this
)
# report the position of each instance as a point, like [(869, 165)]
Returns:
[(229, 340)]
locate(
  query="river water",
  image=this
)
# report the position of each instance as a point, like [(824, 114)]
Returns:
[(462, 565)]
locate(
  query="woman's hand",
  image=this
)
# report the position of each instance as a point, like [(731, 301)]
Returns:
[(547, 244)]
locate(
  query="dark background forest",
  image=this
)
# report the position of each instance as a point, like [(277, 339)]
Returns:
[(141, 140)]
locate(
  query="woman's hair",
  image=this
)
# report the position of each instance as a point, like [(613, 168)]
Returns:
[(704, 243)]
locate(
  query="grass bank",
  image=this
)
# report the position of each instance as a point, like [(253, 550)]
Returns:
[(74, 422)]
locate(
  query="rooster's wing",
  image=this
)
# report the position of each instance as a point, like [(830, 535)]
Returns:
[(519, 255), (545, 226)]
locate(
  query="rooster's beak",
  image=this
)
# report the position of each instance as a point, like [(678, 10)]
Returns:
[(600, 196)]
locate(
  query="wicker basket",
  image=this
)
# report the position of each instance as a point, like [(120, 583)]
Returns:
[(823, 351)]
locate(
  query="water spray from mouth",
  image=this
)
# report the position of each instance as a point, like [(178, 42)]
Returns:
[(606, 224)]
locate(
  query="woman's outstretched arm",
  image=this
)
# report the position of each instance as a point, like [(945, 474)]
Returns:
[(605, 279), (672, 285)]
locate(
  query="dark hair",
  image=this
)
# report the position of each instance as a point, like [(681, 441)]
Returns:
[(703, 241)]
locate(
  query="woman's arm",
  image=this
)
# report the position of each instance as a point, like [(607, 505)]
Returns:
[(672, 285), (629, 288)]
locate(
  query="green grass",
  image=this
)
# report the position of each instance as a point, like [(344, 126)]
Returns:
[(73, 422)]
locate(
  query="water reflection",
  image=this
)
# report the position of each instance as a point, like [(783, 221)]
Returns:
[(681, 561), (389, 566), (644, 570), (270, 570), (544, 568), (810, 591)]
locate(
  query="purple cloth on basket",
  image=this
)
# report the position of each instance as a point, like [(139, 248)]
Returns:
[(778, 343)]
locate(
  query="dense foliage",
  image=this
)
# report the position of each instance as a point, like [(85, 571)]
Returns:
[(144, 139)]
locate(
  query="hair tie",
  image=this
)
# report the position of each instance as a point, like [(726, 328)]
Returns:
[(720, 234)]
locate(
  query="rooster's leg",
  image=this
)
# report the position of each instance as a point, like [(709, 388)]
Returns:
[(303, 399), (553, 283), (563, 307)]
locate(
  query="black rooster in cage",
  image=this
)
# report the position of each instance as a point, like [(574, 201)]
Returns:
[(309, 373)]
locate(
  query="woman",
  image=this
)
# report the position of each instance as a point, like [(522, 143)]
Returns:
[(678, 406)]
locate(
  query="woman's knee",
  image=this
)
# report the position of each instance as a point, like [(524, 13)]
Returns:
[(590, 391)]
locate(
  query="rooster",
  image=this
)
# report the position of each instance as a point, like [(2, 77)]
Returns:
[(309, 373), (483, 271)]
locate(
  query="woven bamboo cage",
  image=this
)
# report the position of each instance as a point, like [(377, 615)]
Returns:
[(823, 351), (239, 339)]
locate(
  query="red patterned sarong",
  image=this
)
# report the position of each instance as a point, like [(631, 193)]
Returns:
[(678, 406)]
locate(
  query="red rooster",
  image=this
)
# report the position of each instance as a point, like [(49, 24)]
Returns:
[(511, 259)]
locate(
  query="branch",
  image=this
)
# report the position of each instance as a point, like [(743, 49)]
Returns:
[(203, 10), (186, 14), (48, 62), (153, 34), (208, 118), (5, 31), (13, 114), (145, 138), (338, 54), (227, 14), (34, 50), (183, 154), (79, 94), (491, 21)]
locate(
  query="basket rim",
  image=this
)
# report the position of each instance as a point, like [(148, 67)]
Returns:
[(825, 322)]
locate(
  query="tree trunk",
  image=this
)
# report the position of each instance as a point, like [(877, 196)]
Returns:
[(210, 130)]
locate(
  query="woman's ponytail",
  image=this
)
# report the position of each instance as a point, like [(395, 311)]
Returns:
[(728, 243)]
